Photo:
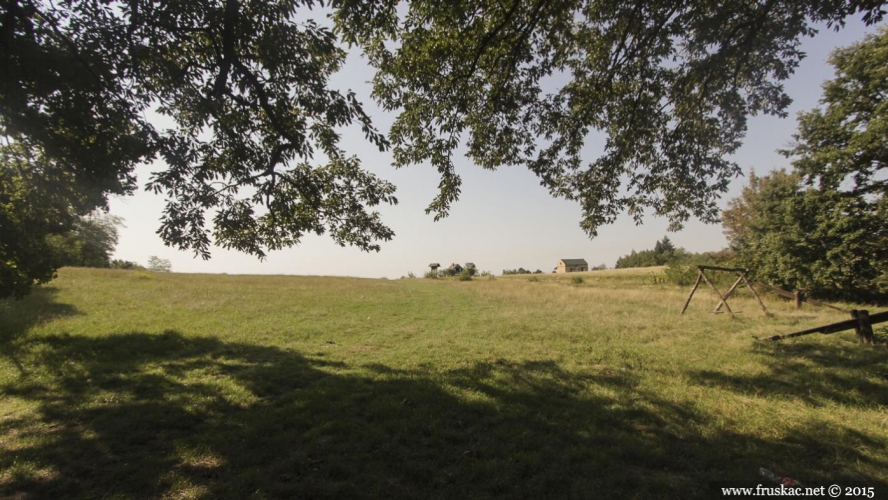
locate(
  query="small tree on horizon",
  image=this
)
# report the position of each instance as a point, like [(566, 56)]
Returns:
[(159, 265)]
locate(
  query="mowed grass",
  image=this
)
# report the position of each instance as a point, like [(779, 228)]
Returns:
[(117, 384)]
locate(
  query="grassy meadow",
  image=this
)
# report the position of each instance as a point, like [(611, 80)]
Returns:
[(122, 384)]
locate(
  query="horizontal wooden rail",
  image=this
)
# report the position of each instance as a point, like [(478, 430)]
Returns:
[(729, 269), (795, 296), (854, 323)]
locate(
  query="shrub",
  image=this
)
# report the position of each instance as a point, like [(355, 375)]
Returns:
[(656, 279), (431, 275), (577, 280), (533, 279), (465, 275), (470, 267), (520, 270), (680, 274), (410, 274), (125, 264)]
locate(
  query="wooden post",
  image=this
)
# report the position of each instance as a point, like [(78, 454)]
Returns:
[(705, 278), (865, 328), (729, 292), (694, 289), (798, 299), (759, 299), (854, 316), (849, 324)]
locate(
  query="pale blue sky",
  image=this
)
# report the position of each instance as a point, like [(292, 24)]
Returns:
[(503, 220)]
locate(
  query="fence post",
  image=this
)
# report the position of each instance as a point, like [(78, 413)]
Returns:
[(798, 299), (866, 328), (855, 315)]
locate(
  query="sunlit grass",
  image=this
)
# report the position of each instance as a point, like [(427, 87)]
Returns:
[(113, 385)]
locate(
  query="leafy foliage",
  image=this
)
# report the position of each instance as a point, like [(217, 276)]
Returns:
[(841, 152), (45, 221), (670, 84), (681, 270), (126, 264), (520, 270), (662, 253), (809, 239), (664, 247), (822, 227), (841, 146), (89, 243), (680, 273), (39, 199), (255, 138), (470, 268)]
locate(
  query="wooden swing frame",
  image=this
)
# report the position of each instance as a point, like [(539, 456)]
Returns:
[(741, 278)]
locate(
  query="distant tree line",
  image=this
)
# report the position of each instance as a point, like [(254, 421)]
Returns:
[(92, 241), (126, 265), (520, 270), (466, 273), (662, 253), (62, 238), (89, 243), (75, 241), (680, 263)]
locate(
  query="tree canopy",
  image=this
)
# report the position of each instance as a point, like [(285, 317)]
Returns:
[(804, 238), (255, 138), (45, 221), (38, 199), (663, 252), (89, 243), (255, 144), (822, 227), (842, 145), (669, 84)]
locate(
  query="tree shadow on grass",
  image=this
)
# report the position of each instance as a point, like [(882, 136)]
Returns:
[(814, 373), (18, 316), (137, 415)]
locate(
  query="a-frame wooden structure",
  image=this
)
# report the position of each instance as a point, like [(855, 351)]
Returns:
[(741, 273)]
